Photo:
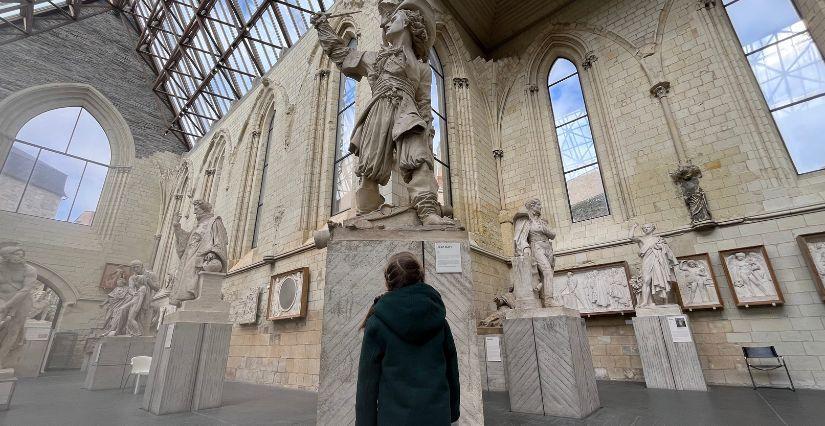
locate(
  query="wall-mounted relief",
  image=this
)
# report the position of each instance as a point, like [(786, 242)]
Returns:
[(245, 310), (751, 277), (697, 284), (288, 294), (813, 250), (596, 290), (113, 274)]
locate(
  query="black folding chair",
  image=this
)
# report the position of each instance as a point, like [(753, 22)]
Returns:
[(765, 352)]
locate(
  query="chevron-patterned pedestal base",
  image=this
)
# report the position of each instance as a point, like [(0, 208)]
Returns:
[(549, 366), (354, 276)]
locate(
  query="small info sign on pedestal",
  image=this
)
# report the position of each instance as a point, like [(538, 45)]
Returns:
[(679, 330), (448, 258)]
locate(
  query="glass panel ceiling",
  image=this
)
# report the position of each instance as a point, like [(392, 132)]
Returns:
[(207, 53)]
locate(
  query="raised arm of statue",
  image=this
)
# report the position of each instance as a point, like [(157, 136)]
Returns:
[(633, 236), (181, 239), (348, 59)]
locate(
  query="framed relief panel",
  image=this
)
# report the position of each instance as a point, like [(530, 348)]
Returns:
[(113, 273), (813, 250), (288, 295), (751, 277), (246, 309), (596, 290), (696, 283)]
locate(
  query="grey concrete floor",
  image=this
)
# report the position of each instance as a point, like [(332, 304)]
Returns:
[(57, 399)]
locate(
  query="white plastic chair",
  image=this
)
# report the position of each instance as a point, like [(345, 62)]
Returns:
[(140, 367)]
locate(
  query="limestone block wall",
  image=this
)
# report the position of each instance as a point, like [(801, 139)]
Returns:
[(86, 52)]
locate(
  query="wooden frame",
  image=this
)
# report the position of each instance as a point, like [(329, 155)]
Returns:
[(805, 241), (107, 279), (778, 300), (301, 275), (622, 265), (705, 258)]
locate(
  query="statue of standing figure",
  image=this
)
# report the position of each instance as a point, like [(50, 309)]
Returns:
[(396, 126), (17, 281), (201, 249), (658, 266), (127, 306), (687, 177), (533, 238)]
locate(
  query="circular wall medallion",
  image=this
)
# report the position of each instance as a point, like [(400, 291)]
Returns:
[(288, 293)]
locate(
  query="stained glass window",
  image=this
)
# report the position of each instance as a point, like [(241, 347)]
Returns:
[(582, 174), (790, 71)]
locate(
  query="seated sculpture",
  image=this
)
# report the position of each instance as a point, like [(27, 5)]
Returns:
[(201, 249), (503, 303)]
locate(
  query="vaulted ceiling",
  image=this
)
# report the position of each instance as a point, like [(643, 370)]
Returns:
[(493, 22)]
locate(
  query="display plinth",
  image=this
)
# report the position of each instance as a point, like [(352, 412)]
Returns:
[(34, 349), (669, 360), (354, 277), (190, 354), (111, 360), (548, 363), (7, 385), (491, 355)]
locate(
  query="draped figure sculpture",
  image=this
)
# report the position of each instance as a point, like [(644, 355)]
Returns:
[(396, 125), (658, 266), (201, 249), (127, 306), (17, 281), (533, 239)]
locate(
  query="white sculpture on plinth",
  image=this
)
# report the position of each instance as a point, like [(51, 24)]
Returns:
[(17, 281), (658, 266), (128, 310), (533, 245), (203, 249)]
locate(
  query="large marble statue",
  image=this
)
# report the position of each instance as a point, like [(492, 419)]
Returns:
[(532, 238), (395, 128), (658, 266), (503, 304), (127, 306), (201, 249), (17, 281)]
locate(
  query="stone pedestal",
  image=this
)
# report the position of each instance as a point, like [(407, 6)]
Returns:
[(549, 366), (354, 276), (493, 377), (524, 272), (34, 349), (190, 354), (110, 363), (666, 364), (7, 385)]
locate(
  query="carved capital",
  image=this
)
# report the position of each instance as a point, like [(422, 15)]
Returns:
[(322, 74), (178, 196), (461, 82), (498, 154), (256, 133), (532, 88), (210, 172), (707, 4), (661, 89), (589, 59)]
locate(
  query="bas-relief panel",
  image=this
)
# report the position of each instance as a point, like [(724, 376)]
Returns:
[(112, 273), (751, 276), (596, 290), (288, 294), (813, 250), (697, 285), (245, 310)]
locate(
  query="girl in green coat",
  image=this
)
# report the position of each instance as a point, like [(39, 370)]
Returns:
[(408, 371)]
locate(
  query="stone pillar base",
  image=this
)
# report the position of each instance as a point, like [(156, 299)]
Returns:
[(7, 385), (38, 334), (666, 364), (354, 277), (110, 363), (548, 363)]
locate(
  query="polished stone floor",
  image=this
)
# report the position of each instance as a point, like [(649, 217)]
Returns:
[(56, 399)]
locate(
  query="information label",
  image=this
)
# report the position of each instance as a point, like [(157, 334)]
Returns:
[(37, 333), (447, 258), (679, 330), (493, 345)]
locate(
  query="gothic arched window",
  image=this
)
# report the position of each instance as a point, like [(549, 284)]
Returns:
[(582, 174), (789, 68), (56, 167), (344, 179), (440, 146)]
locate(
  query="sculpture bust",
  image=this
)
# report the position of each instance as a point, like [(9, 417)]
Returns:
[(203, 249), (17, 281), (532, 240), (658, 266)]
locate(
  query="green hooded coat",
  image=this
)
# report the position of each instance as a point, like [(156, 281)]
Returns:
[(408, 371)]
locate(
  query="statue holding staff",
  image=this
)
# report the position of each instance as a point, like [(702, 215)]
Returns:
[(658, 265)]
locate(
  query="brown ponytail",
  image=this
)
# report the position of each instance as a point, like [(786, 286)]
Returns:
[(402, 269)]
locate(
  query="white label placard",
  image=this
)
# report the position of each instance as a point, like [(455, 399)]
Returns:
[(679, 330), (493, 346), (170, 328), (447, 258), (37, 333)]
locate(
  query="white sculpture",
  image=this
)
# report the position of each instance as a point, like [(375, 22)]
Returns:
[(504, 303), (395, 129), (127, 306), (750, 277), (818, 255), (658, 266), (696, 284), (17, 281), (201, 249), (594, 291), (533, 239)]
